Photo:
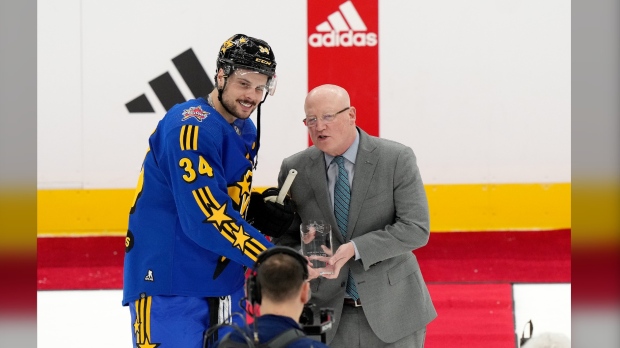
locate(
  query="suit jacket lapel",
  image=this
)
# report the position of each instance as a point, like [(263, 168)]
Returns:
[(316, 172), (365, 165)]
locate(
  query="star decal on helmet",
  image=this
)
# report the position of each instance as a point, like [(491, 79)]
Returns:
[(227, 44)]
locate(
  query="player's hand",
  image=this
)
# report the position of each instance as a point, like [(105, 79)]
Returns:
[(271, 218)]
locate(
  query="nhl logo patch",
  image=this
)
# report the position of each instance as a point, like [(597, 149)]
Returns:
[(196, 112)]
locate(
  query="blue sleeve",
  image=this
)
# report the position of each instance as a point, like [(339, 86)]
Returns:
[(212, 195)]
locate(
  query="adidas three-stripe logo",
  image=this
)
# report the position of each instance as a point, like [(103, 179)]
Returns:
[(344, 28), (336, 21), (166, 89)]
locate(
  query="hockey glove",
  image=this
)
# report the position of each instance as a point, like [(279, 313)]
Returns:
[(271, 218)]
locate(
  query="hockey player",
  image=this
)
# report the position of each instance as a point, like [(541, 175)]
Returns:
[(187, 243)]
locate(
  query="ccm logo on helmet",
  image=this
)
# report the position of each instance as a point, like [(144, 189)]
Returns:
[(266, 62)]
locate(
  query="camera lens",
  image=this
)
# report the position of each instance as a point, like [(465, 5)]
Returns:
[(307, 315)]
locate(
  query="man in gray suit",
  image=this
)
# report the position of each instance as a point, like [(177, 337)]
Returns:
[(370, 191)]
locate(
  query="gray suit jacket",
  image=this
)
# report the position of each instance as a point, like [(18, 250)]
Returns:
[(388, 218)]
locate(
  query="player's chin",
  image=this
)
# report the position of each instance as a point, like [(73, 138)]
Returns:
[(244, 113)]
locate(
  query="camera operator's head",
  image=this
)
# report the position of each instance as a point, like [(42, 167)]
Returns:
[(280, 282)]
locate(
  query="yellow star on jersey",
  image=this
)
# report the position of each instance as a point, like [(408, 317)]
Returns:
[(148, 344), (240, 189), (219, 217), (136, 325), (240, 238), (245, 184)]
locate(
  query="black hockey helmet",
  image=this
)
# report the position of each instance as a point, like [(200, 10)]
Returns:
[(241, 51), (245, 52)]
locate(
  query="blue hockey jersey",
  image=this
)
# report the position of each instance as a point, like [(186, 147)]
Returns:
[(186, 234)]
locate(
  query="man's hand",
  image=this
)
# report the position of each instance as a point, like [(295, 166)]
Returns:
[(269, 217), (313, 273), (342, 255)]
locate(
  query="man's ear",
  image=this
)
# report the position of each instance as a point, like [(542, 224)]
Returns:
[(220, 77), (305, 292), (353, 114)]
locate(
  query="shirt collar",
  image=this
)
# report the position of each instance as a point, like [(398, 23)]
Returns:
[(350, 154)]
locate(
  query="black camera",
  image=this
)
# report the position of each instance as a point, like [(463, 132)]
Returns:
[(325, 321)]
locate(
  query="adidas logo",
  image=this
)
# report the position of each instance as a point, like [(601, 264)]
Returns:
[(167, 91), (343, 28)]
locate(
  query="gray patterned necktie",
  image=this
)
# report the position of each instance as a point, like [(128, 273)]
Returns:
[(342, 199)]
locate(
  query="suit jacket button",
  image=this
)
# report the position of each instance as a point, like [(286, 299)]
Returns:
[(343, 284)]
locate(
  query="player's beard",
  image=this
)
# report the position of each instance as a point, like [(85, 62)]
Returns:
[(232, 105)]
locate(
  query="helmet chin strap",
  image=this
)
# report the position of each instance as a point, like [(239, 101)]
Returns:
[(219, 97), (258, 131)]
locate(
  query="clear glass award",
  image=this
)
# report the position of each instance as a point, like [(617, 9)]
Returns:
[(316, 244)]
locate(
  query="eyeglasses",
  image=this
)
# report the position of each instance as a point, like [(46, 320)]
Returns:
[(311, 121)]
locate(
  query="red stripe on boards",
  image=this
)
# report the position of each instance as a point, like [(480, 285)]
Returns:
[(80, 263), (529, 257), (471, 315), (515, 257)]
